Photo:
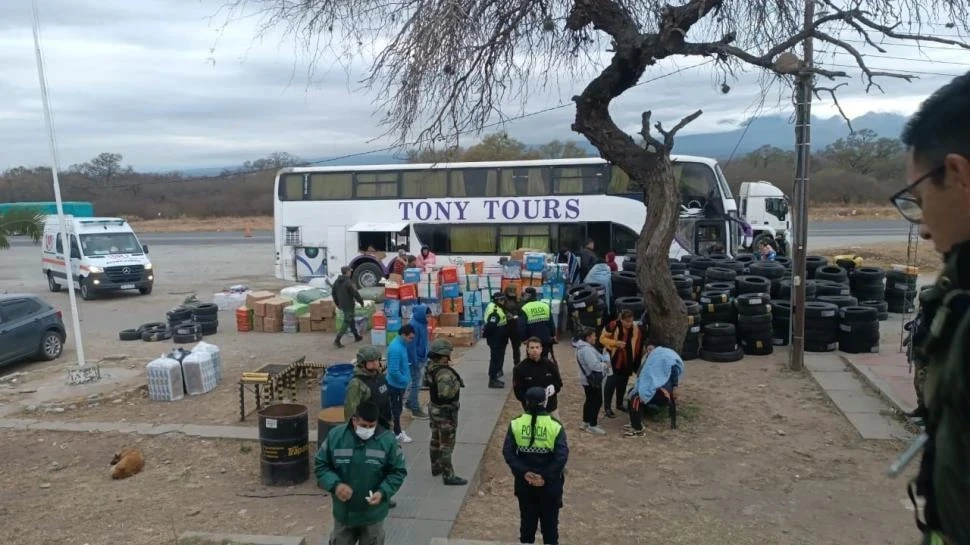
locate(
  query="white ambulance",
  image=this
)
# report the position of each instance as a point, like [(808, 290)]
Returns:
[(106, 255)]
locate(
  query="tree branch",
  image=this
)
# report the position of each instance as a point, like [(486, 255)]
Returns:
[(870, 74), (648, 139), (831, 91), (669, 135)]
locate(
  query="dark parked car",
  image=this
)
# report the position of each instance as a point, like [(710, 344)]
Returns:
[(29, 328)]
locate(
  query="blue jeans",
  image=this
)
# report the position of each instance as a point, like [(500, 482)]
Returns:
[(417, 376), (396, 396)]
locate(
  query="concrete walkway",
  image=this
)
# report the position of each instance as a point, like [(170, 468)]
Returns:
[(426, 509)]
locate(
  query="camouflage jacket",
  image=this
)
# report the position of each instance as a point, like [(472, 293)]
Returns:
[(444, 384), (944, 478)]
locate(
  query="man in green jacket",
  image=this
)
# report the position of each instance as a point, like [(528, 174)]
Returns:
[(937, 197), (362, 467)]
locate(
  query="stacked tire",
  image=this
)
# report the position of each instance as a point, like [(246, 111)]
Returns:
[(781, 322), (821, 326), (716, 306), (719, 343), (832, 273), (785, 290), (749, 283), (207, 316), (900, 292), (684, 286), (585, 307), (824, 288), (692, 341), (624, 284), (813, 263), (755, 324), (858, 330), (772, 271), (184, 328)]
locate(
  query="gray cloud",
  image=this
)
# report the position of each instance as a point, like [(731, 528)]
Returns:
[(157, 81)]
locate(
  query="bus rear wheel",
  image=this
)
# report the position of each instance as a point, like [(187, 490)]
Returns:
[(367, 275)]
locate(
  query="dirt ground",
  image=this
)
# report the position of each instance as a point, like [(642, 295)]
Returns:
[(55, 490), (887, 254), (818, 212), (760, 456)]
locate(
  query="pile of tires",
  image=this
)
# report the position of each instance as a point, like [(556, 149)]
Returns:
[(633, 304), (717, 306), (900, 292), (813, 263), (151, 332), (698, 265), (774, 272), (692, 341), (781, 322), (858, 330), (685, 287), (719, 343), (624, 284), (832, 273), (749, 283), (825, 288), (719, 274), (585, 307), (755, 332), (785, 290), (868, 284), (821, 326)]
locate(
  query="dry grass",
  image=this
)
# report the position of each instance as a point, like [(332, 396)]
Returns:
[(887, 254), (858, 212)]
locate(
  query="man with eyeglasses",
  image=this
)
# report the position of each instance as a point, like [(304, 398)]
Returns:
[(937, 197)]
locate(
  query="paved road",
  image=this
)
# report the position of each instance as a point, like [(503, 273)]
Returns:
[(821, 234)]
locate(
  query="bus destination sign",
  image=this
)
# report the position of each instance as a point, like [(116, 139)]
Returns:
[(492, 209)]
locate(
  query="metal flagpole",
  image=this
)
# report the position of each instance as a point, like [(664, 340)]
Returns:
[(85, 375)]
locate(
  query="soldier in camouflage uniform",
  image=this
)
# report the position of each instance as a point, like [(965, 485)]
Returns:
[(918, 329), (937, 197), (444, 385)]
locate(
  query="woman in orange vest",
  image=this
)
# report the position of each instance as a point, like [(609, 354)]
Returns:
[(625, 342)]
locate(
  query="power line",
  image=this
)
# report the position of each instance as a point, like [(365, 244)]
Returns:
[(891, 70), (387, 148), (909, 59)]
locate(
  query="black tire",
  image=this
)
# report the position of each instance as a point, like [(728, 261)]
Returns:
[(367, 275), (178, 314), (51, 345), (206, 309), (722, 357), (760, 346), (714, 297), (186, 339), (209, 328), (720, 274), (622, 277), (635, 304), (859, 347), (86, 292), (744, 259), (129, 335), (629, 265), (754, 322), (189, 328), (156, 335), (205, 318), (832, 274), (151, 325), (682, 282), (719, 329), (767, 270), (783, 261), (693, 308), (858, 314), (746, 300), (840, 301), (821, 309), (752, 284), (51, 283), (815, 346)]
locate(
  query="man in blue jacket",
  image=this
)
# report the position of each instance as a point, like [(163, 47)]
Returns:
[(399, 376), (418, 354)]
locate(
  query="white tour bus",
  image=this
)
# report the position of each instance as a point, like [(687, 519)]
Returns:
[(328, 217)]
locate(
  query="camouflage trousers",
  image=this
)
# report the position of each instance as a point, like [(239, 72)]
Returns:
[(444, 430), (919, 381)]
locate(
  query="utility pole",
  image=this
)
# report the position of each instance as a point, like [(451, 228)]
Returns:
[(803, 156)]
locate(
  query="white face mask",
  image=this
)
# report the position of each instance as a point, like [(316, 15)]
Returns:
[(365, 433)]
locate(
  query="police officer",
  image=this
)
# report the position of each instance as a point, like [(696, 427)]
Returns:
[(512, 311), (537, 321), (444, 385), (536, 451), (496, 333), (937, 197)]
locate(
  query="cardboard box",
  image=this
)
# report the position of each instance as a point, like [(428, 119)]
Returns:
[(322, 308), (273, 308), (258, 324), (448, 319), (305, 324), (272, 324), (254, 296), (327, 325), (457, 336)]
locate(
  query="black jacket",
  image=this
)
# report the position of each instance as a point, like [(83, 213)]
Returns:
[(550, 466), (540, 373), (345, 293)]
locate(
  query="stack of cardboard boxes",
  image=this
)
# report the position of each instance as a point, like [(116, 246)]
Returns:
[(265, 310)]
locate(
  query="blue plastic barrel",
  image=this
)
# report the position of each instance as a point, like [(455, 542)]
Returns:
[(333, 385)]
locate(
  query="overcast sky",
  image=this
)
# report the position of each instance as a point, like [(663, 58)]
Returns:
[(157, 81)]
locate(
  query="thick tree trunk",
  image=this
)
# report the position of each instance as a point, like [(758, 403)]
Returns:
[(665, 309)]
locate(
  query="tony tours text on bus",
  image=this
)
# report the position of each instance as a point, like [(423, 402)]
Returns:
[(508, 209)]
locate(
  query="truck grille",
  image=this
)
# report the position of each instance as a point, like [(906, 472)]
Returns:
[(123, 274)]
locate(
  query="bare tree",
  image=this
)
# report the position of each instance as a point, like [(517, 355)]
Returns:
[(103, 169), (449, 66)]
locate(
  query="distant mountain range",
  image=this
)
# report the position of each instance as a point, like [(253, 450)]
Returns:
[(769, 130)]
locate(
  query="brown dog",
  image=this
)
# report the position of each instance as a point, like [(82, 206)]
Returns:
[(127, 462)]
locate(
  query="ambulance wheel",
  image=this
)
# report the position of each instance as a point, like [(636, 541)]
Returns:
[(51, 283), (85, 290), (145, 291)]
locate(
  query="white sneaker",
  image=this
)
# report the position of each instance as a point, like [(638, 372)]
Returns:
[(584, 427), (403, 438), (596, 430)]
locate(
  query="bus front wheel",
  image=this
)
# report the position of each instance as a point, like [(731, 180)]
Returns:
[(368, 275)]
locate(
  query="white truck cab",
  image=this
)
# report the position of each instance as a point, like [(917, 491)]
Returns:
[(106, 255), (765, 207)]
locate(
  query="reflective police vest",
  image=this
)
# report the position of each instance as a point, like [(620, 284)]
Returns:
[(502, 318), (547, 430), (537, 312)]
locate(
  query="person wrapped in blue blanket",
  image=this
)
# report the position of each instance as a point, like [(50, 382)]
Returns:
[(656, 384)]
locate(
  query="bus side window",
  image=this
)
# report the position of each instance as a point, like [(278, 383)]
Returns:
[(291, 187), (525, 182), (473, 182), (331, 186), (424, 184), (579, 180)]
